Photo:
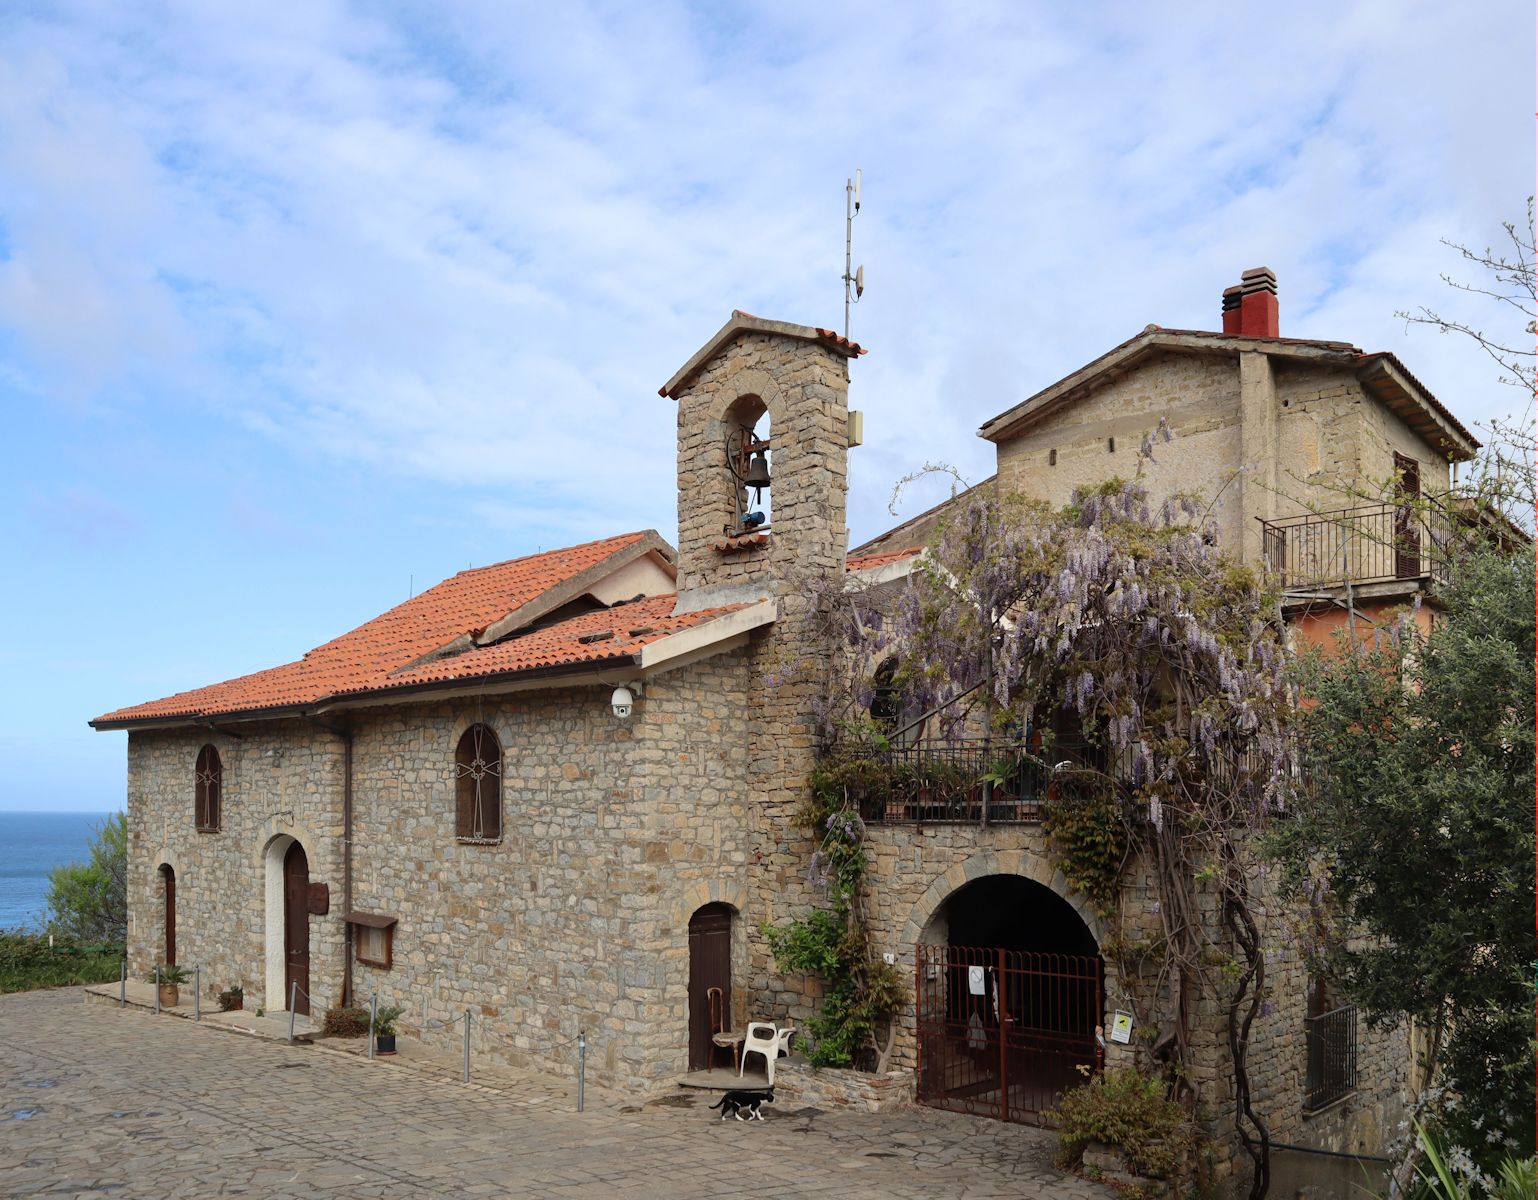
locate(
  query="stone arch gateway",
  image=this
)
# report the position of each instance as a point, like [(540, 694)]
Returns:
[(1009, 997)]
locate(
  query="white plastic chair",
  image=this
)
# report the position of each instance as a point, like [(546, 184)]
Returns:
[(783, 1040), (762, 1038)]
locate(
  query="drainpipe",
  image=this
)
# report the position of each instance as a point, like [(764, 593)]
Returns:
[(345, 733), (347, 864)]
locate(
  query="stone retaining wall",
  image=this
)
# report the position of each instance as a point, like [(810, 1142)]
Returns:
[(829, 1087)]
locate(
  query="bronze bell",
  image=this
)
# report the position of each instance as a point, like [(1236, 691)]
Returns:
[(758, 471)]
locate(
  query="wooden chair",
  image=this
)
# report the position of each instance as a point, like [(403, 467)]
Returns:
[(720, 1036)]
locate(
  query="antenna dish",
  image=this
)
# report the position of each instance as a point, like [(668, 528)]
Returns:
[(857, 189), (859, 281)]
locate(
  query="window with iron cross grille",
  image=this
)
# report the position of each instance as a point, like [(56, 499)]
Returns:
[(208, 783), (478, 786)]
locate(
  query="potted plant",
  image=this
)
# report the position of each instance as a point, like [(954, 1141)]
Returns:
[(170, 977), (232, 998), (384, 1028)]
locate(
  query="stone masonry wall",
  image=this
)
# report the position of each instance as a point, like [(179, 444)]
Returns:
[(615, 832), (281, 779), (804, 387), (1333, 440), (1198, 396)]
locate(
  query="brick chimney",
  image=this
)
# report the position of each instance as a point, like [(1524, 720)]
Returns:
[(1249, 307)]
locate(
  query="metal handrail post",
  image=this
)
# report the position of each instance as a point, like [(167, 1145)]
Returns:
[(197, 993), (293, 1003), (373, 1014), (581, 1067), (467, 1046), (122, 984), (157, 989)]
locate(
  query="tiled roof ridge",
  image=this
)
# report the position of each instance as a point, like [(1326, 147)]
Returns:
[(446, 616), (617, 538)]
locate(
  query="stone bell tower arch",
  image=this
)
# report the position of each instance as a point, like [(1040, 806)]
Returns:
[(756, 376), (796, 377)]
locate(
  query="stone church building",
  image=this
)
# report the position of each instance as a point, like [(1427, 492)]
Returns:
[(558, 792)]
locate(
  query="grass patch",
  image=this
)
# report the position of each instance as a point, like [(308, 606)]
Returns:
[(27, 961)]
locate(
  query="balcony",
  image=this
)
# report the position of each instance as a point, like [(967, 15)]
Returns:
[(953, 782), (1376, 544)]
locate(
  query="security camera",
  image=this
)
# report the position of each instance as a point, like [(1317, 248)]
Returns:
[(622, 702)]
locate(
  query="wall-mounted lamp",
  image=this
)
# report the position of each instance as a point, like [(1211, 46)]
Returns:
[(623, 701)]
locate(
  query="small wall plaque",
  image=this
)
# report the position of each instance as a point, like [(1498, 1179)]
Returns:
[(1121, 1027), (320, 899)]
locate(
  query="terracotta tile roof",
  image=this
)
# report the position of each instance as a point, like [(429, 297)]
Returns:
[(919, 530), (743, 322), (866, 561), (379, 654), (595, 637), (742, 541)]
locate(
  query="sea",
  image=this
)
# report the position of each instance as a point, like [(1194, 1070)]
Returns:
[(31, 845)]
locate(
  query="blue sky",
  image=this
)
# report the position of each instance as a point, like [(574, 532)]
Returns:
[(300, 312)]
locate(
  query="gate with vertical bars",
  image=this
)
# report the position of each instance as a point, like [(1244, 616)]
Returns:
[(1003, 1033)]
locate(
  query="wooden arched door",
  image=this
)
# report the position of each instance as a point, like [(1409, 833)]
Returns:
[(296, 927), (168, 882), (710, 967)]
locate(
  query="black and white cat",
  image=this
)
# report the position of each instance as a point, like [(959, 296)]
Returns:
[(735, 1103)]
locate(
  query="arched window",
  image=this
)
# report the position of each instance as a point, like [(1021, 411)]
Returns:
[(886, 702), (478, 786), (208, 783)]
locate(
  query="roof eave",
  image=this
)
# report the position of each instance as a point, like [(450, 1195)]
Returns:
[(370, 697), (741, 322)]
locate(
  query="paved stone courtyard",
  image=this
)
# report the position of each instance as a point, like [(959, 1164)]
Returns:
[(95, 1101)]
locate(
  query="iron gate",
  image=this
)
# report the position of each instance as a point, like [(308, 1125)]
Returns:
[(1002, 1033)]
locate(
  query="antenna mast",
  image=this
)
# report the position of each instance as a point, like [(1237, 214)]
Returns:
[(854, 284)]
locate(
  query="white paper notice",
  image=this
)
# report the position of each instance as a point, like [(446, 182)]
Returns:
[(1121, 1027), (975, 981)]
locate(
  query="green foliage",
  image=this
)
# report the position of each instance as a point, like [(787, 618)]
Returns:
[(168, 973), (860, 994), (385, 1018), (1130, 1111), (231, 998), (1085, 828), (1416, 842), (1451, 1174), (88, 901), (27, 961)]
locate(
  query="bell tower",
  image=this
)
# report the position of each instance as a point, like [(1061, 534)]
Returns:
[(763, 439)]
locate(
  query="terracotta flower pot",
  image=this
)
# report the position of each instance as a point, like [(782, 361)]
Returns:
[(170, 995)]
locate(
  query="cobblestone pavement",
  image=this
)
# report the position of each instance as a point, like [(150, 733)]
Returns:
[(100, 1102)]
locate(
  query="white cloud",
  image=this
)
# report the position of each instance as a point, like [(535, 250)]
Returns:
[(467, 245)]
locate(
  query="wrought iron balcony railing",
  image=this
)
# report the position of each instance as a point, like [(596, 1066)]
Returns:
[(953, 782), (1373, 544), (1331, 1049)]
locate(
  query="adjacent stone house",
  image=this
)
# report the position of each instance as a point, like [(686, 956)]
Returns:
[(558, 792)]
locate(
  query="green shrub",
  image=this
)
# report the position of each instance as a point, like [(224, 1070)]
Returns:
[(345, 1023), (1129, 1111), (27, 961)]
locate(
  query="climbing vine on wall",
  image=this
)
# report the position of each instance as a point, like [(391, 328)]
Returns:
[(1085, 821), (1118, 618), (861, 994)]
